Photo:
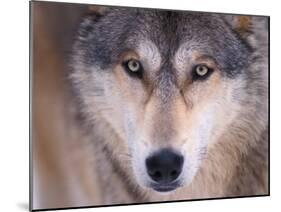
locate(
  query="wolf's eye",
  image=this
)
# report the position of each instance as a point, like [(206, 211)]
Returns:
[(133, 65), (133, 68), (201, 72)]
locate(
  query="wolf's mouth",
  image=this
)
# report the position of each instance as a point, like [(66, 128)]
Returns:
[(164, 187)]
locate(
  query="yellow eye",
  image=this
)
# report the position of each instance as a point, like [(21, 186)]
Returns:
[(133, 68), (133, 65), (201, 70)]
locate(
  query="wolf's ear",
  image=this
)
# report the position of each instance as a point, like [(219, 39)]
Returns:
[(91, 17), (254, 29), (96, 10), (241, 24), (247, 25)]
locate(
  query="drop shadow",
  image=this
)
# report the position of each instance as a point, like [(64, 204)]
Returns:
[(23, 205)]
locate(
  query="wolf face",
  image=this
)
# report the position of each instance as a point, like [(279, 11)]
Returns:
[(166, 86)]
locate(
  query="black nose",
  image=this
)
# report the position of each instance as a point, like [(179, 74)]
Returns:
[(164, 166)]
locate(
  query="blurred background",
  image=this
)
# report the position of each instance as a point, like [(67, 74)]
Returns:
[(55, 182)]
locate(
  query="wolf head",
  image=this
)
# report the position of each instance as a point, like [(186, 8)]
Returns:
[(166, 86)]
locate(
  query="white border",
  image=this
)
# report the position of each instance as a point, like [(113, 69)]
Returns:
[(14, 117)]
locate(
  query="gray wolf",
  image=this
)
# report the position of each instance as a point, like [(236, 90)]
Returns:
[(170, 105), (175, 103)]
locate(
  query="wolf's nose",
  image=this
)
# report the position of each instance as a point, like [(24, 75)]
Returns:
[(164, 166)]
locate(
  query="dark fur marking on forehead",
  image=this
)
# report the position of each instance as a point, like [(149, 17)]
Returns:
[(104, 38), (166, 82)]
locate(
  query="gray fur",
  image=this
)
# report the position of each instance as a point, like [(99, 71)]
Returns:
[(103, 38)]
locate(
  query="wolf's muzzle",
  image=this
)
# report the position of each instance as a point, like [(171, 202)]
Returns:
[(164, 167)]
